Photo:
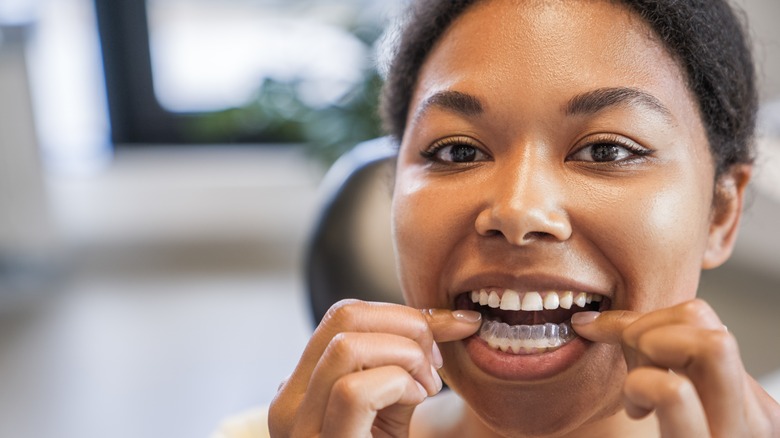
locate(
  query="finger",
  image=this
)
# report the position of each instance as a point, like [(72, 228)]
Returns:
[(606, 327), (762, 410), (344, 316), (449, 325), (353, 352), (678, 409), (360, 316), (711, 360), (357, 398), (695, 313), (624, 326)]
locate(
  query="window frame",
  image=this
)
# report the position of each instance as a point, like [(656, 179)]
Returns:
[(136, 116)]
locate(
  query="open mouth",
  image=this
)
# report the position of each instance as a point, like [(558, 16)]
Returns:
[(528, 322)]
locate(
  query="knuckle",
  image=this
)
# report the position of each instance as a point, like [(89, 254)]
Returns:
[(347, 391), (417, 362), (675, 390), (341, 347), (718, 345), (419, 329), (344, 311), (660, 389), (696, 310)]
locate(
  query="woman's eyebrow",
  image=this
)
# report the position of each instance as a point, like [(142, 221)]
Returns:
[(453, 101), (586, 103), (602, 98)]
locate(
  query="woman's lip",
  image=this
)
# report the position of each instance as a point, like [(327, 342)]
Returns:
[(524, 367)]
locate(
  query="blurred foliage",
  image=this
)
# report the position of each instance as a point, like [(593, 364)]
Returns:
[(278, 114)]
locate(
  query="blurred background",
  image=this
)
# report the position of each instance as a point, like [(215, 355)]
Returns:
[(159, 172)]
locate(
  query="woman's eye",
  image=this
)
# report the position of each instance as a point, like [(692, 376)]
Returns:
[(605, 153), (457, 153)]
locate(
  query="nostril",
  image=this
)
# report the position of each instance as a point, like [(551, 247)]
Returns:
[(493, 233), (536, 235), (521, 226), (527, 238)]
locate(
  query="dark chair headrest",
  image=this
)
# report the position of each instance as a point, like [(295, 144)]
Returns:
[(350, 253)]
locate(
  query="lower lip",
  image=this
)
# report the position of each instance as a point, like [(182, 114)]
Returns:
[(539, 366)]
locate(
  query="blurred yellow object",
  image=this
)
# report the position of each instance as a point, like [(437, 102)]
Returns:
[(249, 424)]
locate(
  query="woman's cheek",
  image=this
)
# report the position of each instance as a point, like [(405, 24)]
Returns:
[(431, 215), (415, 230), (659, 250)]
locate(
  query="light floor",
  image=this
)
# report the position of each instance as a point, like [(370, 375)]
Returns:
[(178, 298)]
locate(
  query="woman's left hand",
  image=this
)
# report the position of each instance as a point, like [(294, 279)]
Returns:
[(685, 365)]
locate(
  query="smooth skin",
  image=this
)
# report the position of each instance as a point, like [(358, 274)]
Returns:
[(502, 173)]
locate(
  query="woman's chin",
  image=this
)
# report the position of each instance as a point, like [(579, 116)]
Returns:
[(538, 394)]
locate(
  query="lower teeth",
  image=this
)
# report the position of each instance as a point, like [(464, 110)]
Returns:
[(525, 339)]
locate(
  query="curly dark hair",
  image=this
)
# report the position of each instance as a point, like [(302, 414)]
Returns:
[(706, 37)]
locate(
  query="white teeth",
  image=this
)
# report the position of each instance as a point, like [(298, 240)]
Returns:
[(551, 301), (493, 300), (580, 299), (532, 301), (510, 300), (566, 299), (483, 297)]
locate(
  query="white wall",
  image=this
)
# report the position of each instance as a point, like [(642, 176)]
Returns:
[(24, 228)]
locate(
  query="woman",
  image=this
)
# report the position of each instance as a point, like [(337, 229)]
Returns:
[(565, 171)]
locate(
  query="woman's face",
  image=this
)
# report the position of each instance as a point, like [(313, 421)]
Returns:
[(551, 147)]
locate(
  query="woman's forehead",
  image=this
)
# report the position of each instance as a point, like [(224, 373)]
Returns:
[(550, 51)]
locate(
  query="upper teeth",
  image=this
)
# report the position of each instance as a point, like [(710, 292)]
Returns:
[(532, 301)]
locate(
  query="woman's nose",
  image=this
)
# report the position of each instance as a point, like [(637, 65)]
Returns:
[(524, 208)]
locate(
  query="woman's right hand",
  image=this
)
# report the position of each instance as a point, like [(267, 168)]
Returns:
[(365, 369)]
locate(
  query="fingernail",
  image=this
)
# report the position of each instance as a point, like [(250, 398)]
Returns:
[(470, 316), (437, 379), (438, 361), (582, 318)]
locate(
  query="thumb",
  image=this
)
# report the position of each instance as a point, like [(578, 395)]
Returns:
[(452, 325), (606, 327)]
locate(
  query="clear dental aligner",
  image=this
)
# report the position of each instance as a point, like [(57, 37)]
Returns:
[(525, 339)]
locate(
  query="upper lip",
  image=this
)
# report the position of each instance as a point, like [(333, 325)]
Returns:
[(527, 283)]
